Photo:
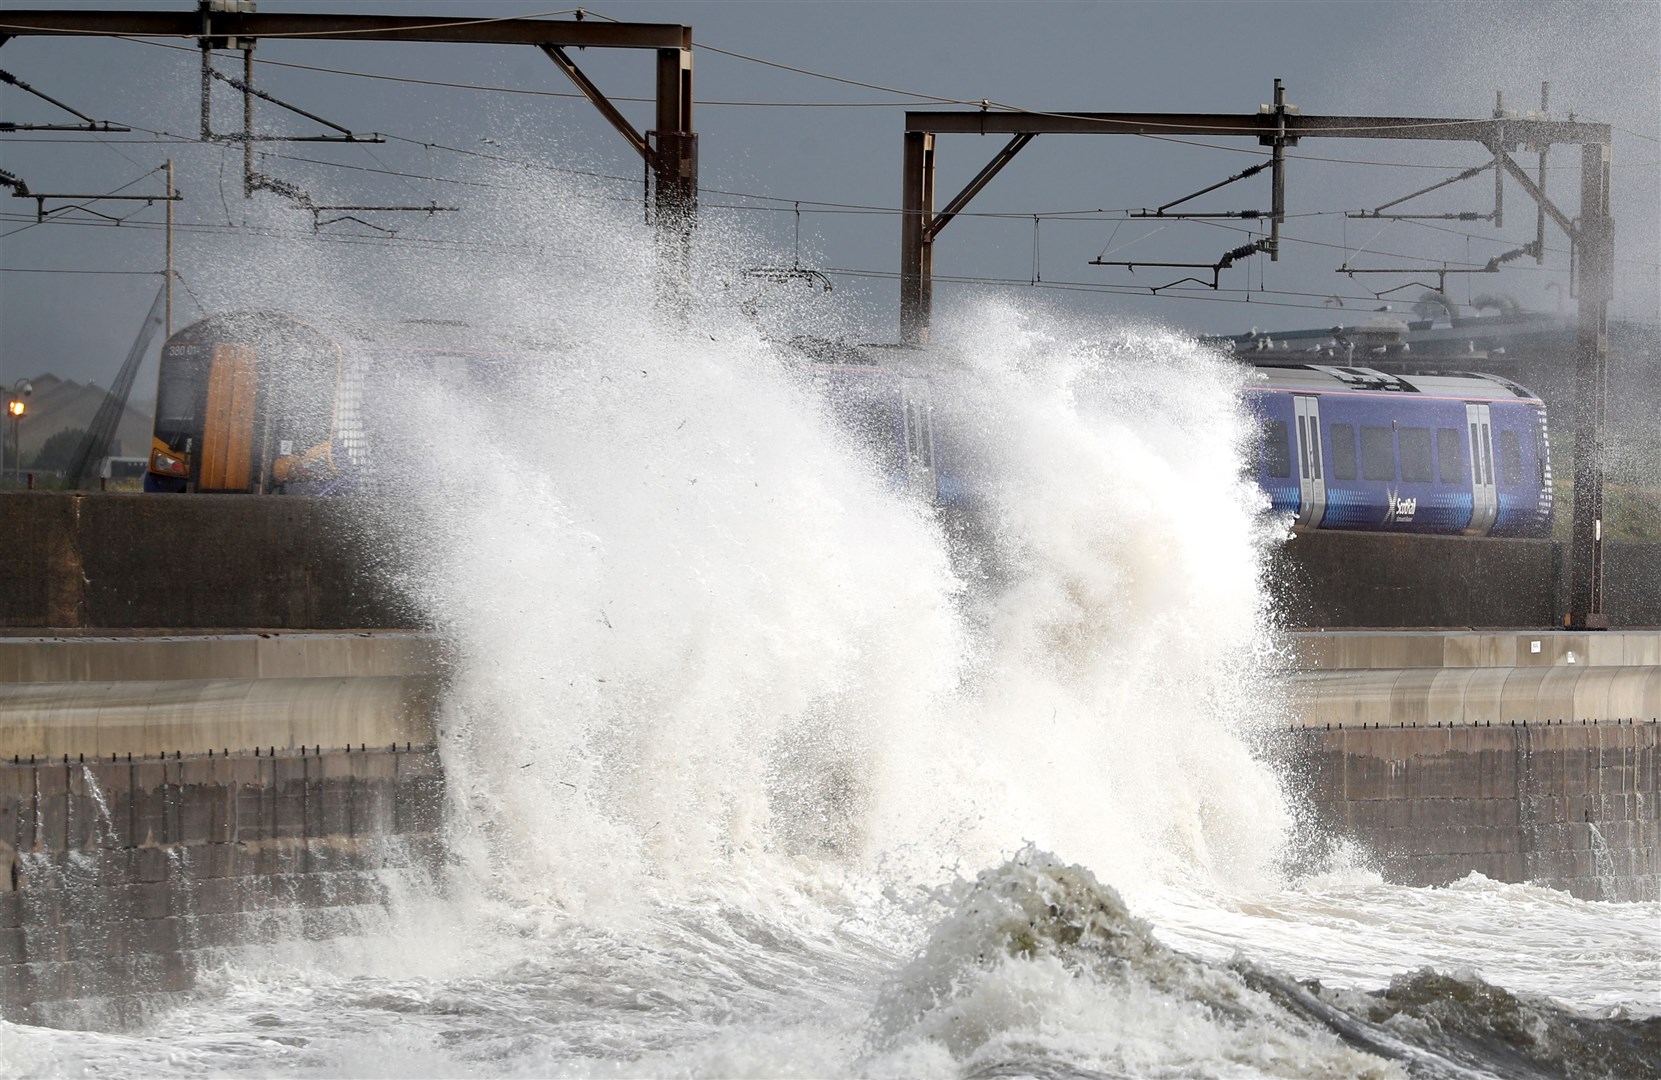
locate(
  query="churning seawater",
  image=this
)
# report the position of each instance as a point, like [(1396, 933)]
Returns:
[(759, 767)]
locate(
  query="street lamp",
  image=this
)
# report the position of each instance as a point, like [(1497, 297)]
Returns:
[(16, 406)]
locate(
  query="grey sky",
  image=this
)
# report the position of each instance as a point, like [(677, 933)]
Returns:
[(1439, 59)]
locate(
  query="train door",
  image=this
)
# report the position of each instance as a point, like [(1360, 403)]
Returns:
[(1311, 476), (919, 437), (228, 422), (1485, 503)]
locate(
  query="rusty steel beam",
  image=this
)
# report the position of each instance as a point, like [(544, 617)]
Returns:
[(670, 150), (1262, 125), (1546, 206), (197, 24), (598, 99), (982, 178)]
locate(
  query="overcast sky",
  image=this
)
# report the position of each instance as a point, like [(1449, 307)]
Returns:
[(1403, 59)]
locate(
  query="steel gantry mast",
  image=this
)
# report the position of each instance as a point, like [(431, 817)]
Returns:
[(1591, 236), (670, 150)]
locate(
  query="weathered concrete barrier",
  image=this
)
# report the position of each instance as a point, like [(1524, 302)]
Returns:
[(95, 698), (199, 562), (1568, 805), (1521, 756), (119, 882), (1339, 579), (192, 562), (165, 798)]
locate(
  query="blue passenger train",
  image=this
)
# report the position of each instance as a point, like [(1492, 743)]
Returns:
[(263, 402), (1354, 448)]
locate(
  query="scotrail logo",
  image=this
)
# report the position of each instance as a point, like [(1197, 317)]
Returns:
[(1400, 510)]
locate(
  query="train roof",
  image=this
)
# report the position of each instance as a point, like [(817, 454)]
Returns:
[(1329, 377)]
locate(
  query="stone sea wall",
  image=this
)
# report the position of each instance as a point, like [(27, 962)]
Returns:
[(1521, 756), (1568, 805), (108, 561), (120, 880)]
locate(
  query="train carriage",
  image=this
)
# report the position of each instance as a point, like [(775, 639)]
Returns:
[(1354, 448), (260, 402)]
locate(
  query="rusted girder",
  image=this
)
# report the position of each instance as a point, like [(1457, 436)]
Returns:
[(598, 99), (1298, 126), (195, 24), (973, 188)]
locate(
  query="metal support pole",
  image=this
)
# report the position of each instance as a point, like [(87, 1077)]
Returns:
[(207, 90), (975, 186), (248, 121), (672, 166), (1540, 212), (675, 160), (1595, 241), (1499, 148), (1277, 179), (168, 323), (916, 249)]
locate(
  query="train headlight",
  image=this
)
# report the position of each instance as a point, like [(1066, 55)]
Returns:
[(167, 464)]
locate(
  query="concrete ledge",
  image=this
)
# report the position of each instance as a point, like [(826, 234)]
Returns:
[(1350, 649), (102, 720), (153, 696), (43, 659), (1422, 697)]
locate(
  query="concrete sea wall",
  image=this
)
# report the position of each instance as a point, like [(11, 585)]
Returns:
[(1336, 579), (166, 796), (1521, 756), (120, 882), (167, 800), (1568, 805), (109, 561)]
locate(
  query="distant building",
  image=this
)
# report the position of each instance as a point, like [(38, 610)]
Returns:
[(64, 404)]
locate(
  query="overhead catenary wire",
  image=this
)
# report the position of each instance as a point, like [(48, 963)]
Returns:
[(569, 95), (70, 270), (825, 206), (917, 96), (813, 206)]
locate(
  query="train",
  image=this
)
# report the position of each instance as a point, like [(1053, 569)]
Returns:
[(1355, 448), (264, 402)]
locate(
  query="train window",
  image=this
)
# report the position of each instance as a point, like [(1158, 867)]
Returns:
[(1343, 452), (877, 418), (1303, 448), (1416, 466), (1452, 466), (1378, 453), (917, 436), (1277, 458), (1511, 459), (176, 396)]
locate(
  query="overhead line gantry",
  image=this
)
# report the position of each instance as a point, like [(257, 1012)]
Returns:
[(1279, 125), (669, 149)]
